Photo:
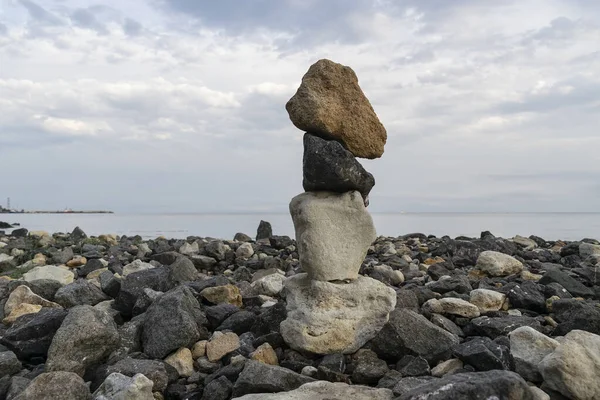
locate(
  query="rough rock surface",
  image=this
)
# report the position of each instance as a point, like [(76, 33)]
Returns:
[(528, 348), (327, 166), (326, 317), (121, 387), (498, 264), (333, 231), (325, 391), (574, 367), (57, 385), (87, 336), (331, 104)]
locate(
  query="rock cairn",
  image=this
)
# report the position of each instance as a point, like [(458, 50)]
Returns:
[(331, 309)]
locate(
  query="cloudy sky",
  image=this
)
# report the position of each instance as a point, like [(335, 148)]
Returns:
[(178, 105)]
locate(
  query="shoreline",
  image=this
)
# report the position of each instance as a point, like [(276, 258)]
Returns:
[(458, 302)]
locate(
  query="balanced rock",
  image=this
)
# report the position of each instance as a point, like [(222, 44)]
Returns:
[(327, 318), (331, 104), (327, 166), (333, 233)]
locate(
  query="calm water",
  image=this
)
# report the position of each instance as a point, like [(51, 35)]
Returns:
[(551, 226)]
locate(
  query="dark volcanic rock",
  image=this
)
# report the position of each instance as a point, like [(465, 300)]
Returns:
[(572, 285), (413, 366), (134, 284), (409, 333), (473, 386), (327, 166), (174, 320), (20, 233), (262, 378), (78, 293), (501, 326), (573, 314), (63, 256), (367, 367), (527, 295), (9, 364), (264, 230), (31, 334), (218, 389), (458, 284), (78, 235), (483, 354)]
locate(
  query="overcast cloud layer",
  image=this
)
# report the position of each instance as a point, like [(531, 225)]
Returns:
[(178, 105)]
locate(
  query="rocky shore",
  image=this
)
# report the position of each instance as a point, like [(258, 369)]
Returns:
[(122, 318)]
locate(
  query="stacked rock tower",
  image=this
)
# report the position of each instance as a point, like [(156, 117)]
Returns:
[(331, 308)]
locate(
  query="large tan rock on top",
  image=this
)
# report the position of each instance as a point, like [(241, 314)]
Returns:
[(327, 318), (331, 104), (333, 233)]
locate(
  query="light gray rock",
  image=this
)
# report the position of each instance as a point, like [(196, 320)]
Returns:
[(51, 272), (86, 337), (588, 250), (498, 264), (452, 306), (269, 285), (136, 266), (120, 387), (487, 300), (528, 348), (327, 318), (333, 233), (528, 244), (322, 390), (574, 367), (189, 249), (245, 250)]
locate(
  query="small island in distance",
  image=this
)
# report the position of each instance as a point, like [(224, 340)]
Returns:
[(65, 211)]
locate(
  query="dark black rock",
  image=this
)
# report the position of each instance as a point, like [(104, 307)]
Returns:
[(262, 378), (218, 389), (447, 324), (174, 320), (556, 289), (483, 354), (573, 314), (109, 284), (500, 326), (328, 166), (78, 235), (526, 295), (334, 362), (78, 293), (167, 257), (91, 265), (31, 334), (239, 322), (570, 249), (413, 366), (473, 386), (407, 299), (280, 242), (459, 284), (409, 333), (219, 313), (216, 250), (367, 368), (269, 320), (295, 361), (20, 233), (134, 284), (264, 230), (389, 380), (572, 285)]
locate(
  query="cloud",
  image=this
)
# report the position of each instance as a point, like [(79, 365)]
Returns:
[(488, 107), (41, 15), (86, 19)]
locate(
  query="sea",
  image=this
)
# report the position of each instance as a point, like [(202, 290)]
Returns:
[(550, 226)]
